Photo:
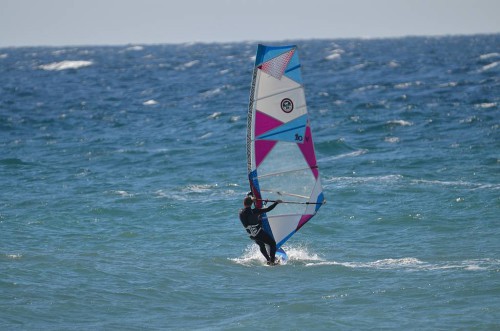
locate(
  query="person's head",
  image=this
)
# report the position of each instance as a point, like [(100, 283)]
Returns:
[(247, 202)]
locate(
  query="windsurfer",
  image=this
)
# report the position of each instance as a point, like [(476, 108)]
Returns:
[(252, 222)]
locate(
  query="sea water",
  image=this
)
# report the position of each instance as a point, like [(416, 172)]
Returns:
[(122, 170)]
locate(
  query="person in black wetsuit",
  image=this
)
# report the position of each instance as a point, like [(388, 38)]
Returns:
[(252, 222)]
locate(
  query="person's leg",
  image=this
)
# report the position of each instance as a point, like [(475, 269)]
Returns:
[(272, 245), (263, 249)]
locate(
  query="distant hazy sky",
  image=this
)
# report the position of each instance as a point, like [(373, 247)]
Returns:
[(97, 22)]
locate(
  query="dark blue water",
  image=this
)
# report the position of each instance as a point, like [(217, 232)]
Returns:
[(122, 170)]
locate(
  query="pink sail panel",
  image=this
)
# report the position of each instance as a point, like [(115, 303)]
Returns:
[(307, 148), (264, 123), (303, 220), (262, 149)]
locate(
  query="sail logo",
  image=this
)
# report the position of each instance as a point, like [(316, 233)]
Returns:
[(299, 138), (287, 105)]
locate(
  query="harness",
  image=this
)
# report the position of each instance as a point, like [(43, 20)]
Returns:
[(253, 230)]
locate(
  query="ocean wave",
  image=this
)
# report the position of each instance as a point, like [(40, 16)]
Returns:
[(64, 65)]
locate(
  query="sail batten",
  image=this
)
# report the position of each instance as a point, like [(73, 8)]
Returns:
[(281, 159)]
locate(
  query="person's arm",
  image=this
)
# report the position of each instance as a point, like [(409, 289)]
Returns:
[(271, 207)]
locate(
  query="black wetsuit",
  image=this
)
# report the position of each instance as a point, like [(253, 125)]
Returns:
[(251, 220)]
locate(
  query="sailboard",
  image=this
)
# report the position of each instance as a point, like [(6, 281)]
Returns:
[(281, 159)]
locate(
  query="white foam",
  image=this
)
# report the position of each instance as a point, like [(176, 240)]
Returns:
[(414, 264), (251, 256), (471, 185), (297, 254), (65, 65)]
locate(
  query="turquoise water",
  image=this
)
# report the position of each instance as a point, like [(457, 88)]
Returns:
[(123, 169)]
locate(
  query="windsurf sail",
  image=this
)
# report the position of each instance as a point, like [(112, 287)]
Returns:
[(280, 150)]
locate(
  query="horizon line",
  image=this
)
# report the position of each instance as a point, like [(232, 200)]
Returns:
[(118, 44)]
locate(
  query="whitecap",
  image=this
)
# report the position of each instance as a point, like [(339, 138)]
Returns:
[(394, 64), (450, 84), (358, 66), (211, 93), (333, 56), (191, 63), (490, 66), (4, 56), (135, 48), (215, 115), (150, 102), (64, 65), (187, 65), (487, 105), (400, 122), (206, 135), (122, 193), (489, 56), (403, 85), (14, 256), (391, 140)]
